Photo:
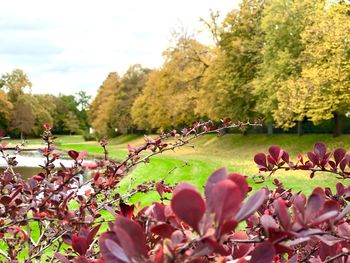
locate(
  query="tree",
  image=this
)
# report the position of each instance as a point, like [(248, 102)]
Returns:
[(282, 22), (23, 119), (326, 63), (43, 109), (15, 83), (6, 108), (101, 106), (83, 102), (71, 122), (131, 86), (176, 83), (305, 74), (237, 57)]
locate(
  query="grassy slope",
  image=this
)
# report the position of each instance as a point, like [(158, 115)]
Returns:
[(233, 151)]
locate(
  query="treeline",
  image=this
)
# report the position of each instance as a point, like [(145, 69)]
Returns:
[(23, 114), (287, 61)]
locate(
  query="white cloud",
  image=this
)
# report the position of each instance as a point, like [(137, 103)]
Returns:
[(66, 46)]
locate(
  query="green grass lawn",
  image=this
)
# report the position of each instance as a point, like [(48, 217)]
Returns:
[(211, 152)]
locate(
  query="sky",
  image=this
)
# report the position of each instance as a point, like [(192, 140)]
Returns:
[(67, 46)]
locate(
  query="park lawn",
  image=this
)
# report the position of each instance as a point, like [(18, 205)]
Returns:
[(211, 152), (39, 143)]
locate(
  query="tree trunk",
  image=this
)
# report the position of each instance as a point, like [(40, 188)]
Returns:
[(270, 128), (337, 125), (300, 129)]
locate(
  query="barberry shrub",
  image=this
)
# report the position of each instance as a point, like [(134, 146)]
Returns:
[(57, 217)]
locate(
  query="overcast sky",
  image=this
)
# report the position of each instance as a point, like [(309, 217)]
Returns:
[(67, 46)]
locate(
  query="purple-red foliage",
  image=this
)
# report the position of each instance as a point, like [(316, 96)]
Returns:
[(337, 162), (226, 223)]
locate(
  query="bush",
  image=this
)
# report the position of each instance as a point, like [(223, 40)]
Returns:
[(227, 224), (89, 137)]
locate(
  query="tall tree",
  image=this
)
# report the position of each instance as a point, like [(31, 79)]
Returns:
[(321, 89), (131, 86), (327, 63), (238, 55), (102, 105), (23, 118), (282, 23), (170, 95), (83, 102)]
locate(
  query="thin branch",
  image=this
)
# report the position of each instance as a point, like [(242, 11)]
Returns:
[(343, 254)]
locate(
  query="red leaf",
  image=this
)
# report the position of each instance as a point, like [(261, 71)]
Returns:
[(300, 158), (253, 203), (241, 182), (320, 150), (135, 246), (242, 249), (263, 253), (340, 188), (163, 230), (269, 223), (282, 213), (93, 233), (331, 205), (344, 162), (67, 238), (96, 176), (39, 177), (329, 240), (225, 200), (313, 158), (214, 178), (325, 159), (160, 188), (73, 154), (80, 244), (314, 204), (271, 160), (285, 156), (126, 210), (228, 226), (158, 211), (111, 251), (339, 155), (183, 185), (345, 212), (324, 217), (189, 206), (276, 153), (260, 160)]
